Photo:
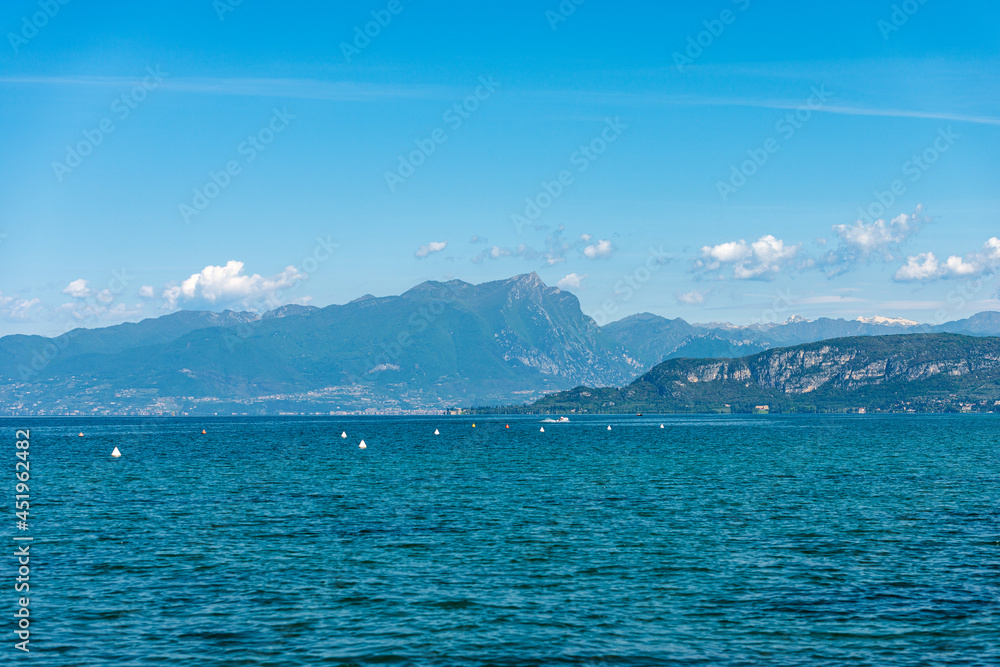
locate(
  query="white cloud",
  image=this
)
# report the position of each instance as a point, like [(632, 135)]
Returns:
[(497, 252), (769, 254), (879, 240), (571, 281), (600, 250), (555, 251), (146, 292), (90, 306), (431, 248), (490, 253), (760, 259), (172, 295), (692, 298), (78, 289), (991, 251), (877, 237), (958, 266), (919, 267), (93, 312), (228, 284), (724, 253), (20, 310), (925, 266)]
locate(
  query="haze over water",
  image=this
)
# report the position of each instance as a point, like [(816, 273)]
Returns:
[(727, 540)]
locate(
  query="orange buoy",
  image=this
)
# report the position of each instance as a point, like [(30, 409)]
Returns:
[(507, 426), (203, 431)]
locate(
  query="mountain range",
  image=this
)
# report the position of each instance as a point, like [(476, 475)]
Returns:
[(899, 373), (654, 339), (438, 345)]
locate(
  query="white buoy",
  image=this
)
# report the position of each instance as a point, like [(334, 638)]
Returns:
[(609, 427), (362, 445), (343, 434), (115, 453), (542, 430), (661, 425), (437, 432)]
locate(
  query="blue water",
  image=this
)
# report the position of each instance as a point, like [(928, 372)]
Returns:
[(726, 540)]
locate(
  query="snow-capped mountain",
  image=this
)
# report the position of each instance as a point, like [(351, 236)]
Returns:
[(887, 321)]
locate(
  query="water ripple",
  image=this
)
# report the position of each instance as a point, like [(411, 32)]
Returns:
[(812, 540)]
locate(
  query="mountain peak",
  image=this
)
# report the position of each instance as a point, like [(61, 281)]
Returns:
[(437, 289), (289, 310), (529, 279), (886, 321)]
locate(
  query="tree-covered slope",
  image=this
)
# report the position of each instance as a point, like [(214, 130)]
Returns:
[(911, 371)]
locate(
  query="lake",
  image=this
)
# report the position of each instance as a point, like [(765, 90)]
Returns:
[(716, 540)]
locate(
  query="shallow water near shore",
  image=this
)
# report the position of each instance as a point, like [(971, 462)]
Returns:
[(721, 540)]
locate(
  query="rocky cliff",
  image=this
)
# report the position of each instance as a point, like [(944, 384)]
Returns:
[(885, 372)]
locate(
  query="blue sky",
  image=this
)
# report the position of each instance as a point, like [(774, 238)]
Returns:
[(739, 161)]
